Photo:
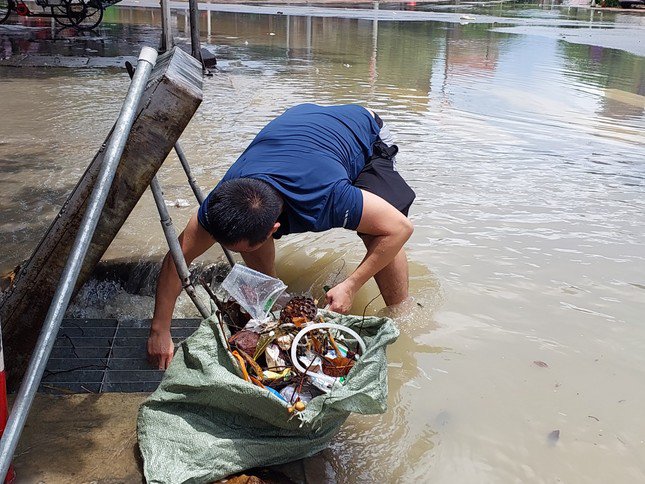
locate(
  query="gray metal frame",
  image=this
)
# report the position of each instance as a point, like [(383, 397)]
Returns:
[(198, 192), (27, 392), (175, 248), (169, 230)]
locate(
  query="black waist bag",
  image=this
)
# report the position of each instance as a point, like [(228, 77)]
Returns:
[(380, 177)]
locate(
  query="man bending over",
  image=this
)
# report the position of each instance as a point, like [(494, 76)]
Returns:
[(311, 169)]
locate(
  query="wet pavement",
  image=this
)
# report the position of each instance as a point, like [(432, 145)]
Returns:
[(80, 438), (525, 146)]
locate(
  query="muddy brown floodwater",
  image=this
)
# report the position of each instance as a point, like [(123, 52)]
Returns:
[(528, 258)]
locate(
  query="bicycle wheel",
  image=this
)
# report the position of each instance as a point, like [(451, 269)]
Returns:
[(84, 14), (59, 12), (5, 9), (93, 10)]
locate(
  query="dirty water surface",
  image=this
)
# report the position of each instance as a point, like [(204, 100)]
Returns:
[(522, 356)]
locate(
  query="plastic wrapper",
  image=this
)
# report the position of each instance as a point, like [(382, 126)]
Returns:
[(254, 291)]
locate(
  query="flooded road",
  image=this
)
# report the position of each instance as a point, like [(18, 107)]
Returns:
[(528, 258)]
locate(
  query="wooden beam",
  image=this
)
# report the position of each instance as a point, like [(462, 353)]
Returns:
[(172, 96)]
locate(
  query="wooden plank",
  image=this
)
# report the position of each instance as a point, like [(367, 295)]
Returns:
[(172, 96)]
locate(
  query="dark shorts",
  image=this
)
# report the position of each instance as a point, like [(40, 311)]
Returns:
[(380, 177)]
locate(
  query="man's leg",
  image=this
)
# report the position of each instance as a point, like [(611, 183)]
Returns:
[(262, 259), (392, 280)]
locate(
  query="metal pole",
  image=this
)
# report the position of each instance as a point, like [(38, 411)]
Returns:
[(288, 40), (208, 23), (25, 397), (175, 248), (166, 27), (198, 192), (199, 195), (194, 30)]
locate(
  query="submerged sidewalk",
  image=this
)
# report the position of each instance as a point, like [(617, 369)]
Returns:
[(80, 438), (92, 438)]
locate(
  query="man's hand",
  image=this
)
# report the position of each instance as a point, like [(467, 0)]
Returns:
[(161, 349), (194, 241), (384, 230), (341, 297)]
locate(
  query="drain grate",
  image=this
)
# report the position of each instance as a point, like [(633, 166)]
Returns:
[(105, 355)]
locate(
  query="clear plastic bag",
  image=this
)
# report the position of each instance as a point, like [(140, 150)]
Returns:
[(254, 291)]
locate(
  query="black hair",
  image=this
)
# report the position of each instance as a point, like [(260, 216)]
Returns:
[(243, 209)]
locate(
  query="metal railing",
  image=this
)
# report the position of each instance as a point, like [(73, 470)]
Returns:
[(175, 249), (198, 192), (169, 230), (166, 222), (63, 294)]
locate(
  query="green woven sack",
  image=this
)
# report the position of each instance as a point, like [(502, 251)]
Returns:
[(204, 422)]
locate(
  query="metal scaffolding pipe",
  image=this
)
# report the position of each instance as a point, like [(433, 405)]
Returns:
[(114, 150), (166, 26), (175, 248), (199, 195), (194, 30)]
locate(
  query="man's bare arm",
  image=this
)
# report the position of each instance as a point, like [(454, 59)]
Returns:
[(263, 258), (194, 241), (391, 229)]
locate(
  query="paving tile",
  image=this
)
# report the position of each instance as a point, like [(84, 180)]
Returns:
[(90, 323), (77, 376), (105, 355)]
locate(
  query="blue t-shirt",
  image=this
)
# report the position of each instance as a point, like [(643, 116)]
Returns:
[(311, 155)]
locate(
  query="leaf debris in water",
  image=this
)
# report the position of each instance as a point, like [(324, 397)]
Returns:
[(540, 363)]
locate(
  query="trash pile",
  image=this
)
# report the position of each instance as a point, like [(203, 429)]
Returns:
[(296, 356), (220, 424)]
